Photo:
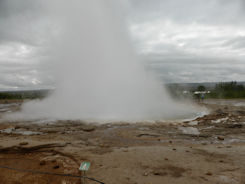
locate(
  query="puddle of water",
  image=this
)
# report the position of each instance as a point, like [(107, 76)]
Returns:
[(19, 131), (237, 103), (193, 123), (189, 130), (229, 141), (220, 120), (210, 127), (4, 109), (240, 104), (42, 121)]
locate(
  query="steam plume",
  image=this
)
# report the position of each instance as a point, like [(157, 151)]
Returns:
[(98, 74)]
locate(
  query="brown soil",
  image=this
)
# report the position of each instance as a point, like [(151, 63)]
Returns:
[(126, 153)]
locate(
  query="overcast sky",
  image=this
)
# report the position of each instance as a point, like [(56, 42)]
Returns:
[(182, 40)]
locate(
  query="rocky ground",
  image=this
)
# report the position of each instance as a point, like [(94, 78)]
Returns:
[(209, 149)]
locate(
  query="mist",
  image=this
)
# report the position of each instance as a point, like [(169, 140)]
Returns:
[(98, 75)]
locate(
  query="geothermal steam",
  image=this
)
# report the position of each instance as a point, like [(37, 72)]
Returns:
[(98, 74)]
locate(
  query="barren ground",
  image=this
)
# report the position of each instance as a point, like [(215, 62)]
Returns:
[(210, 149)]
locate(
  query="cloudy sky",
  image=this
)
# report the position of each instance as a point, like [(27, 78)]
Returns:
[(181, 40)]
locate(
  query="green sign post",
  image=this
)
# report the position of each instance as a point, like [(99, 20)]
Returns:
[(84, 167)]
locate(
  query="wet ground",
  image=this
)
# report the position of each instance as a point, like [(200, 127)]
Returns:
[(209, 149)]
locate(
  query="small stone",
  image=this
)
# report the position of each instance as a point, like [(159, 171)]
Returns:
[(204, 135), (17, 127), (42, 162), (23, 143), (221, 138), (156, 173), (56, 167), (88, 128), (235, 125), (219, 111), (145, 174), (209, 173)]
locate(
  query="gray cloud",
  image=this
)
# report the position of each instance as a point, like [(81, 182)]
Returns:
[(197, 69), (181, 40), (236, 43), (191, 40), (22, 21), (24, 31), (186, 11)]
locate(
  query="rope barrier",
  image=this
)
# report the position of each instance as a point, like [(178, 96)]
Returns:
[(48, 173)]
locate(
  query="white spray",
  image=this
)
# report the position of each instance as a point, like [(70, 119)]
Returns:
[(98, 74)]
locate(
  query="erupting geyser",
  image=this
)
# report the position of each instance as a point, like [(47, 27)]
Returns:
[(98, 74)]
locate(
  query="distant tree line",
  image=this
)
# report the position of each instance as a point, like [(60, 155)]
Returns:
[(228, 90), (223, 90), (24, 94)]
